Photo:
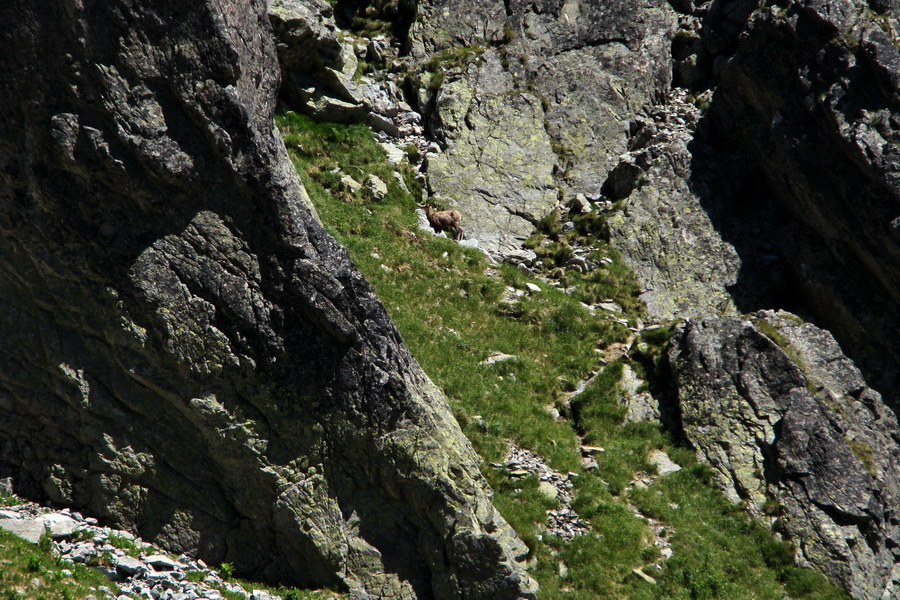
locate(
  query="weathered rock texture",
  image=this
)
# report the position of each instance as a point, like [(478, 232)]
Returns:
[(665, 231), (317, 68), (785, 419), (541, 106), (184, 350), (808, 91)]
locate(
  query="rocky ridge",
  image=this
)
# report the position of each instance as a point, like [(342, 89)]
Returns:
[(187, 354), (793, 432)]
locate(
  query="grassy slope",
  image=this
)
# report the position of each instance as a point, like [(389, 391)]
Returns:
[(29, 572), (452, 314)]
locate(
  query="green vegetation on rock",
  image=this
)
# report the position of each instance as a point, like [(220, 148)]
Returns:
[(454, 311)]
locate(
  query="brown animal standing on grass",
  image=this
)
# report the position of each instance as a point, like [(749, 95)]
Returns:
[(445, 220)]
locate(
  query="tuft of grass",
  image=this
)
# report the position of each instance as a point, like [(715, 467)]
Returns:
[(10, 501), (454, 58), (771, 332), (864, 453), (226, 570), (22, 565), (453, 311), (123, 543)]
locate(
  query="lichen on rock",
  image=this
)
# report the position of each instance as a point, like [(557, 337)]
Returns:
[(185, 351), (785, 419)]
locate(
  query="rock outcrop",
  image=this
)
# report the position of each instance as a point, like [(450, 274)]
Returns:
[(808, 92), (665, 230), (185, 352), (791, 429), (531, 101), (317, 68)]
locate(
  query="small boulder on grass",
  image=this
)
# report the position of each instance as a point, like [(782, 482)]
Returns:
[(376, 189), (349, 185)]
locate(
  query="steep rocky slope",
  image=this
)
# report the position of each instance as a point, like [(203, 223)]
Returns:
[(185, 351), (544, 114), (808, 94), (793, 431)]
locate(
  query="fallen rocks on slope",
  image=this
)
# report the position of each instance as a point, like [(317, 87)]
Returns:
[(562, 521), (138, 569), (791, 430), (185, 352)]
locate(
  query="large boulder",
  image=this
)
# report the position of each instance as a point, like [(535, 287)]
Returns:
[(791, 430), (540, 108), (185, 352), (808, 91), (498, 167)]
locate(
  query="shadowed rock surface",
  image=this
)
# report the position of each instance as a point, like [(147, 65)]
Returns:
[(791, 429), (808, 96), (184, 350), (665, 232)]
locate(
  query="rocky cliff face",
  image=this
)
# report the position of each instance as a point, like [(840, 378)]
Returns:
[(184, 350), (808, 93), (539, 109), (791, 429)]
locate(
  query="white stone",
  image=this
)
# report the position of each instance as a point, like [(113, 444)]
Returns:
[(129, 565), (394, 154), (27, 529), (664, 464), (533, 287), (548, 490), (160, 562), (497, 357), (348, 184), (59, 525)]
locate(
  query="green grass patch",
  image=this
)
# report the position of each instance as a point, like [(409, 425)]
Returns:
[(772, 332), (456, 57), (28, 572), (453, 310), (719, 552), (123, 543)]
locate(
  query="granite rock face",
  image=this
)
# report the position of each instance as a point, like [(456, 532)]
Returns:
[(791, 429), (317, 68), (538, 109), (185, 352), (665, 230), (808, 92)]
